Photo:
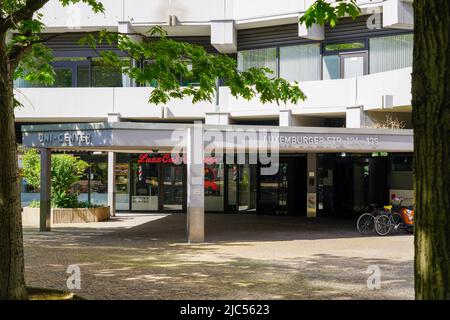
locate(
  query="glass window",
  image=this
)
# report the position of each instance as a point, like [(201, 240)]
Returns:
[(122, 186), (214, 187), (258, 58), (104, 75), (99, 183), (63, 78), (331, 67), (344, 46), (390, 53), (300, 63), (83, 76)]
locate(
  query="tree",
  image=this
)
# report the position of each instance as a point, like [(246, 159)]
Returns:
[(431, 115), (66, 170), (431, 119), (23, 54)]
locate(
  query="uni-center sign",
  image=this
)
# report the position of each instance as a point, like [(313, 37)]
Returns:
[(67, 138)]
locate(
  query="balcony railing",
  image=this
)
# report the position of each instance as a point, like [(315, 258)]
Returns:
[(94, 104)]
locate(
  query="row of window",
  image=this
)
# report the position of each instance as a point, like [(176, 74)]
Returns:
[(81, 72), (304, 62), (314, 61)]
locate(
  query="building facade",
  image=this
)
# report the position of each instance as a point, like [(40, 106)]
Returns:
[(348, 145)]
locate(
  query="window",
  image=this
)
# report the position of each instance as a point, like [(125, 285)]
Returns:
[(331, 67), (80, 72), (104, 75), (214, 187), (390, 53), (344, 46), (300, 63), (258, 58)]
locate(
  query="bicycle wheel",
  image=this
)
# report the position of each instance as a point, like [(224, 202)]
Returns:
[(366, 223), (383, 225)]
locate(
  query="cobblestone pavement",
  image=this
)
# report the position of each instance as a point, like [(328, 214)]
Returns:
[(245, 257)]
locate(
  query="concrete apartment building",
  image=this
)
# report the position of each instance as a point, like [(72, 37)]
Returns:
[(336, 156)]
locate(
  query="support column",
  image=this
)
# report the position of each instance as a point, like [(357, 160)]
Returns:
[(195, 214), (285, 118), (45, 195), (112, 183), (311, 196), (354, 117)]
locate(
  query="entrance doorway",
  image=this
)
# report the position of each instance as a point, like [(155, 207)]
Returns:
[(240, 187), (359, 182), (173, 188), (284, 193), (158, 187)]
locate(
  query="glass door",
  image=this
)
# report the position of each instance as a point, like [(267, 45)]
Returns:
[(145, 192), (353, 65), (232, 187), (244, 187), (173, 188), (67, 74)]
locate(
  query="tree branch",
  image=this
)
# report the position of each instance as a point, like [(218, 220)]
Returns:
[(26, 13)]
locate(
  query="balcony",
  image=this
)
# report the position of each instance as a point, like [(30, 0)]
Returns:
[(327, 97)]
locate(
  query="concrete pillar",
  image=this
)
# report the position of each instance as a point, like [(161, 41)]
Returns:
[(398, 14), (315, 32), (311, 196), (114, 117), (195, 185), (285, 118), (112, 183), (219, 118), (354, 117), (45, 196), (224, 36)]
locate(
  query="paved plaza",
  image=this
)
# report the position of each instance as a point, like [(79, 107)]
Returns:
[(245, 256)]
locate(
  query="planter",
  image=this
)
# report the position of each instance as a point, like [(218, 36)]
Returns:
[(30, 216), (80, 215)]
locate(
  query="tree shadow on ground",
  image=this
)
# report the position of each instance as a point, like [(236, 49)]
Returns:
[(151, 261)]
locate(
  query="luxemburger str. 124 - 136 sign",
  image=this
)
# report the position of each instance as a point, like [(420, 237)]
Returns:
[(66, 138), (320, 140)]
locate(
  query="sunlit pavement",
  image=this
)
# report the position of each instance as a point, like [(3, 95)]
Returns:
[(244, 257)]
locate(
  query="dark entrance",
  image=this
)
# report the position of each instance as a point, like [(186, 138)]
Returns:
[(350, 183), (285, 192), (240, 187)]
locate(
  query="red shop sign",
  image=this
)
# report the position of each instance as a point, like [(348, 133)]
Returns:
[(167, 158), (148, 158)]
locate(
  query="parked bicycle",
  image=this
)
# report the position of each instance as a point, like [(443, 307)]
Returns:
[(395, 218), (366, 222)]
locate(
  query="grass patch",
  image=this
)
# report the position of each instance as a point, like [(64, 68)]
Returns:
[(51, 294)]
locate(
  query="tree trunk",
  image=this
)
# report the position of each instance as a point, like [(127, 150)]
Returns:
[(431, 99), (12, 281)]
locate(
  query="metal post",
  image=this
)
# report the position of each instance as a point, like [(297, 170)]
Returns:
[(112, 183), (45, 195)]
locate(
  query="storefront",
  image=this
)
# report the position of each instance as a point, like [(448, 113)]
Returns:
[(334, 172), (347, 183)]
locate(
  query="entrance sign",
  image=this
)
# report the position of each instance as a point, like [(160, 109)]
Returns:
[(78, 138), (123, 136)]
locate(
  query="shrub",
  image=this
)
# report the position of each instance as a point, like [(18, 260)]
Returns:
[(65, 169)]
